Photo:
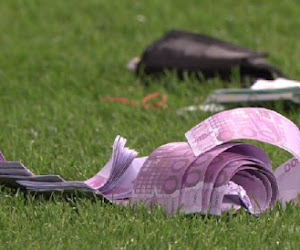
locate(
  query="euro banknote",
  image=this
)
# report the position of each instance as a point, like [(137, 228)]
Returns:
[(231, 96), (209, 173)]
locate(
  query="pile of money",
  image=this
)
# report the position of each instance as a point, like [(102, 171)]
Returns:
[(114, 181), (233, 96), (210, 173), (259, 93)]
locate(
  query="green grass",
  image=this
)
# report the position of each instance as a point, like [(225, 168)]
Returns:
[(58, 59)]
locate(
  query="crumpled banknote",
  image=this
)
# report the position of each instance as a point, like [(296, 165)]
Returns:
[(210, 173)]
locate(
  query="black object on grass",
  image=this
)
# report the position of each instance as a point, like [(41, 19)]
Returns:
[(182, 51)]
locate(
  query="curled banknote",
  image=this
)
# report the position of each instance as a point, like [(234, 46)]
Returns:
[(210, 173)]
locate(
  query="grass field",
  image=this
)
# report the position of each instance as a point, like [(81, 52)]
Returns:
[(60, 58)]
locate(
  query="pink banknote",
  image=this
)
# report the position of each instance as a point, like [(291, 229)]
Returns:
[(114, 181), (209, 174)]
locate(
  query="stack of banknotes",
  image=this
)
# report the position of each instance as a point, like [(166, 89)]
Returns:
[(231, 96), (210, 173), (261, 91)]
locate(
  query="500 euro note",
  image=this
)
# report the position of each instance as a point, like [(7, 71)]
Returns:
[(114, 181), (209, 174)]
